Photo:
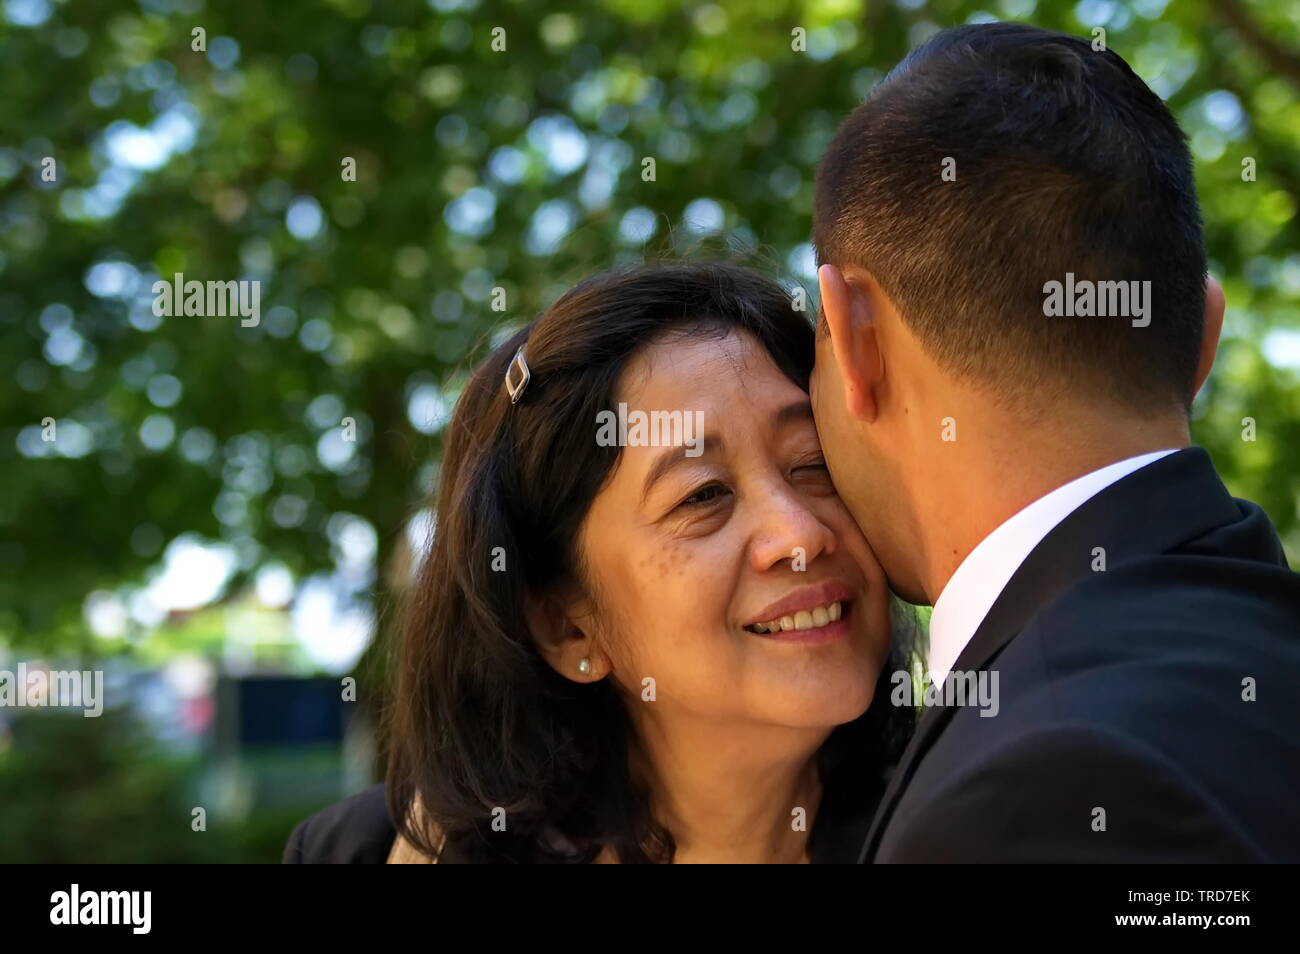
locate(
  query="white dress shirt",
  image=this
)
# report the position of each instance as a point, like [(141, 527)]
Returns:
[(984, 574)]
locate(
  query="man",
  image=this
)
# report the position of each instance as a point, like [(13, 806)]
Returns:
[(1022, 463)]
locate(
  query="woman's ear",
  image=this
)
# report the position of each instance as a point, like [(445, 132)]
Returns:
[(562, 630)]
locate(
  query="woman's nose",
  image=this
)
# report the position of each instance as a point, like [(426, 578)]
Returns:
[(786, 529)]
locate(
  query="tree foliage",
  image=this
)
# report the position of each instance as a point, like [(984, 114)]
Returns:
[(476, 168)]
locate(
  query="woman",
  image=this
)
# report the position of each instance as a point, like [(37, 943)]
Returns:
[(636, 643)]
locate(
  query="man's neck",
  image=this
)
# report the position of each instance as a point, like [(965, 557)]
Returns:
[(988, 479)]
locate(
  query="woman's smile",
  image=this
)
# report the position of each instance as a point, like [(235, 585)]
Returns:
[(815, 613)]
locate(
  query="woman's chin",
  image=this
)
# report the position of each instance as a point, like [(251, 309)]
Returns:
[(825, 703), (808, 681)]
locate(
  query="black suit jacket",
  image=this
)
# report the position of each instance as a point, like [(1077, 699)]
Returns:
[(1124, 731)]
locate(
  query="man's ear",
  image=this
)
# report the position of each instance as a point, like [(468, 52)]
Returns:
[(562, 631), (1214, 305), (854, 340)]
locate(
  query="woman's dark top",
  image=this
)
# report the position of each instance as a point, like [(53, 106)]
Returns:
[(358, 831)]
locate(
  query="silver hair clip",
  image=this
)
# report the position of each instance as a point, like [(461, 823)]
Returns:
[(516, 388)]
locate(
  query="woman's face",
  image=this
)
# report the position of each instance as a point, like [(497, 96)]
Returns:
[(690, 556)]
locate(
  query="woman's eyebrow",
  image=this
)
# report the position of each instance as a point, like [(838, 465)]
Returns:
[(672, 456), (798, 410)]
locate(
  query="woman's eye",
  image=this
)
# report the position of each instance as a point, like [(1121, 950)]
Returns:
[(705, 495), (815, 475)]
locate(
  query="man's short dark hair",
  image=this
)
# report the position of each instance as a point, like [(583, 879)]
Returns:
[(1060, 160)]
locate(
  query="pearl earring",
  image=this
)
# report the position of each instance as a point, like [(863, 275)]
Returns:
[(584, 665)]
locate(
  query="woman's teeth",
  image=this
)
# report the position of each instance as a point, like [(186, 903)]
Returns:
[(804, 619)]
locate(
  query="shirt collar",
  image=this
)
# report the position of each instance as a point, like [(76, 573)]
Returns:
[(984, 574)]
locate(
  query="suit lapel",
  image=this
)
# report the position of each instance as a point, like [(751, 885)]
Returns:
[(1152, 510)]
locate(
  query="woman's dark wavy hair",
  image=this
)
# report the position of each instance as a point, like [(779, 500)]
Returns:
[(479, 721)]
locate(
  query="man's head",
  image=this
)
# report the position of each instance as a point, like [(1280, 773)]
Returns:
[(994, 160)]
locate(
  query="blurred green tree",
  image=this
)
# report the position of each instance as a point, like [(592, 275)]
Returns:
[(101, 791)]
